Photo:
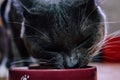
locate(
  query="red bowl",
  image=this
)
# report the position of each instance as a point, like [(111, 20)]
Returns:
[(53, 74)]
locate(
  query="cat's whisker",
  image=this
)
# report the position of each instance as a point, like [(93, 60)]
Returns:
[(83, 18), (102, 46), (108, 57), (112, 36), (111, 22), (110, 43), (115, 34), (101, 59), (21, 61), (45, 36), (35, 36), (108, 47), (38, 60), (108, 22), (84, 21), (111, 52), (27, 59)]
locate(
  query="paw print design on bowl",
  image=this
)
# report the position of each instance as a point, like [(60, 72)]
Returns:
[(25, 77)]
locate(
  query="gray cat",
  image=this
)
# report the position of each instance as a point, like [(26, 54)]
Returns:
[(60, 33)]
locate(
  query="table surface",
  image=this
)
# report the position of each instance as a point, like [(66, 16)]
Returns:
[(107, 71)]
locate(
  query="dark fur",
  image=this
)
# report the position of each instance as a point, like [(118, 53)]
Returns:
[(63, 32)]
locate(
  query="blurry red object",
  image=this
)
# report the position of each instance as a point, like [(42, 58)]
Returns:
[(111, 49), (53, 74)]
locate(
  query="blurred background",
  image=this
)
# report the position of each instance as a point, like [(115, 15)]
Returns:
[(112, 11)]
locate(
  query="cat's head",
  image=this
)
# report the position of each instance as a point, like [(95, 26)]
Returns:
[(63, 33)]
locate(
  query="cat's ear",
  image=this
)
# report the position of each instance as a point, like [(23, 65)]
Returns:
[(32, 6)]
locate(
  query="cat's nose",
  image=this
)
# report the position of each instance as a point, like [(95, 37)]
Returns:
[(71, 62)]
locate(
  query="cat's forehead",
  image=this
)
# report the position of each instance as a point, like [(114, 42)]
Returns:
[(52, 1), (38, 5)]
